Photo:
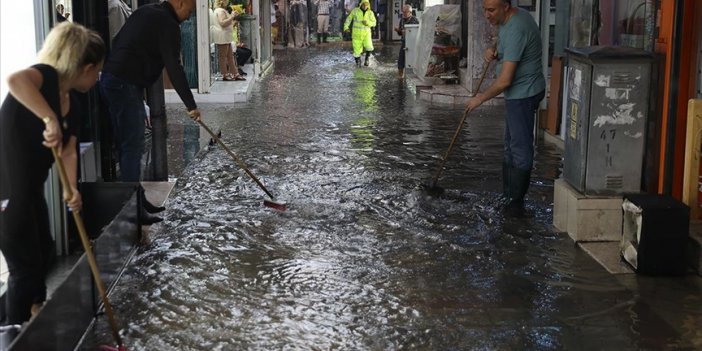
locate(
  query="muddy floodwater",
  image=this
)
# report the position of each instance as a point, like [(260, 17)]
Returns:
[(364, 258)]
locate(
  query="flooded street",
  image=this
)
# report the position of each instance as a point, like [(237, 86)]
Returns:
[(364, 258)]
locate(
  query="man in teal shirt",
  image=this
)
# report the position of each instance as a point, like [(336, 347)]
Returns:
[(520, 78)]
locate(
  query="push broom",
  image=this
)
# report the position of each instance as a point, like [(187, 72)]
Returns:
[(433, 188), (271, 200), (91, 258)]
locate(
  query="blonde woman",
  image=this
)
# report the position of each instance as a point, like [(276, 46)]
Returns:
[(38, 114), (221, 32)]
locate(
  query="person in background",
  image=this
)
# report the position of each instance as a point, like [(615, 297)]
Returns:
[(148, 42), (222, 30), (40, 113), (521, 79), (117, 14), (298, 30), (363, 20), (61, 14), (243, 54), (407, 18), (323, 7), (278, 27), (274, 23)]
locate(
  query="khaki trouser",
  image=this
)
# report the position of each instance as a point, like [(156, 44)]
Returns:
[(322, 23)]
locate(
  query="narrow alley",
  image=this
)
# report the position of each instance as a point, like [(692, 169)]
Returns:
[(364, 258)]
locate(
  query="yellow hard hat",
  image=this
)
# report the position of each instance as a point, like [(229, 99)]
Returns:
[(364, 2)]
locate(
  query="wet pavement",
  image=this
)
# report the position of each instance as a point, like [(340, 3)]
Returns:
[(364, 259)]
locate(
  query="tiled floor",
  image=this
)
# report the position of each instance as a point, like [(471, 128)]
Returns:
[(445, 94), (222, 91)]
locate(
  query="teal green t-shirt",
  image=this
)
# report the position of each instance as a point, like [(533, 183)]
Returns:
[(520, 41)]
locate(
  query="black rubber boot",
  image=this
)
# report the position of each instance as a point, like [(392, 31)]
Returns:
[(324, 38), (366, 63), (145, 218), (518, 186), (319, 38), (505, 179), (358, 61)]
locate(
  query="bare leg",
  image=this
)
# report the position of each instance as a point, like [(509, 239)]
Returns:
[(231, 62), (222, 50)]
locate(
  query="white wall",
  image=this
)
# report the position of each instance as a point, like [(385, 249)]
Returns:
[(428, 3), (18, 47)]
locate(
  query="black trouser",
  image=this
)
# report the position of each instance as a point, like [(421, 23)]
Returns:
[(26, 243), (242, 56), (401, 58)]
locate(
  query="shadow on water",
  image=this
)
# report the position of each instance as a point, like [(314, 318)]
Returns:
[(363, 258)]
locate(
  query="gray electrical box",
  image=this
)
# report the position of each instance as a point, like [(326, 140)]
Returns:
[(411, 41), (607, 106)]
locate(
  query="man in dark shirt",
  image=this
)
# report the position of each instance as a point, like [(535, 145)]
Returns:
[(148, 42)]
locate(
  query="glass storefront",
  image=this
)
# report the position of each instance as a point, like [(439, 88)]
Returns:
[(617, 22)]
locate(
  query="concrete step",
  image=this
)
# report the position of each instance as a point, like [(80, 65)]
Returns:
[(586, 218), (221, 92)]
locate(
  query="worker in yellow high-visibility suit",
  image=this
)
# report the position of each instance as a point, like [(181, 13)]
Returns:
[(363, 20)]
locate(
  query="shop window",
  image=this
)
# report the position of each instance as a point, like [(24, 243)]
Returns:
[(584, 23), (614, 22), (628, 23)]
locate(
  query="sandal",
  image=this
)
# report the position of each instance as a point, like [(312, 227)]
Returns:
[(239, 77)]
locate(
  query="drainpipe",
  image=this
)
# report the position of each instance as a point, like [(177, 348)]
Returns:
[(676, 43)]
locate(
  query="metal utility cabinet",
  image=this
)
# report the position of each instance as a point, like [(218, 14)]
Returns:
[(607, 106), (411, 41)]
